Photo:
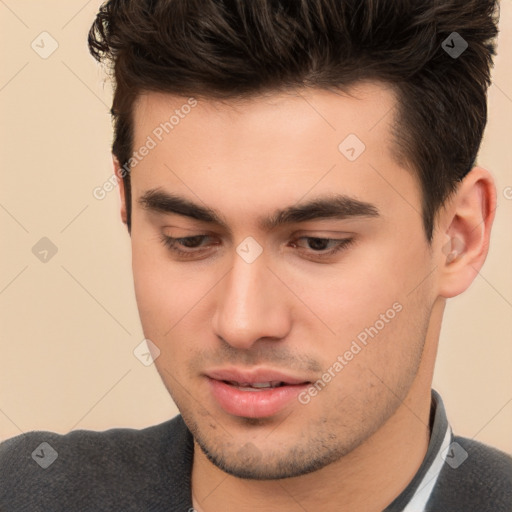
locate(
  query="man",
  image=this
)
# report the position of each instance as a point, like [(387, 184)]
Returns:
[(299, 183)]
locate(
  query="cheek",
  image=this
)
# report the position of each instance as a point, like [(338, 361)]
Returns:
[(375, 310), (352, 297), (156, 285), (368, 371), (170, 296), (165, 300), (148, 280)]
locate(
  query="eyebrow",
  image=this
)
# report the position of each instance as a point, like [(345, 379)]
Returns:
[(333, 206)]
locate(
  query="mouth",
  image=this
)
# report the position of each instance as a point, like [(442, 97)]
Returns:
[(256, 394), (256, 386)]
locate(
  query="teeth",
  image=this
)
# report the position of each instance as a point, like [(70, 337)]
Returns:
[(262, 385), (252, 386)]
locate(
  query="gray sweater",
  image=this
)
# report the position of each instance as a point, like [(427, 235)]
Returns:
[(127, 470)]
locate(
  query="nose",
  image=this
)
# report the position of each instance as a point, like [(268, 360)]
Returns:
[(251, 305)]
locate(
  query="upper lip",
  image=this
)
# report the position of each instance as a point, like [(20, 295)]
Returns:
[(255, 375)]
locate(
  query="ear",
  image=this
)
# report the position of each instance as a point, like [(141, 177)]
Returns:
[(466, 229), (120, 172)]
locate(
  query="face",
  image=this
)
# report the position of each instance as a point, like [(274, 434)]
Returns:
[(277, 242)]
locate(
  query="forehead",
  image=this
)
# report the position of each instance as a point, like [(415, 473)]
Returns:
[(361, 107), (284, 145)]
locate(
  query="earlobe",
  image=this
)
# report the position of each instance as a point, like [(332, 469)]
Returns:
[(468, 219), (119, 175)]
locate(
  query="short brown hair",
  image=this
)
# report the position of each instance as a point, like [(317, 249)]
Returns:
[(230, 49)]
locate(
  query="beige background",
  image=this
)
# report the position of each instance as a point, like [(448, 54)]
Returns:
[(69, 326)]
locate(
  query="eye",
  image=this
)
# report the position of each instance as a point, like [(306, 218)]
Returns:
[(190, 242), (317, 247)]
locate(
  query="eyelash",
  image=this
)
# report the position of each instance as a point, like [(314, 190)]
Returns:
[(171, 244)]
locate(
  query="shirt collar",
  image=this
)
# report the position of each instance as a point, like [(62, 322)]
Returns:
[(415, 496)]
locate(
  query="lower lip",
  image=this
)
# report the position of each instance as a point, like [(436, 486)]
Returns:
[(254, 404)]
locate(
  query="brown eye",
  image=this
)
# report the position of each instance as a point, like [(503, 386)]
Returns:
[(176, 245), (315, 245)]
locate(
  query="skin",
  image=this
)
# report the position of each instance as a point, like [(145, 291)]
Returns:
[(290, 309)]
